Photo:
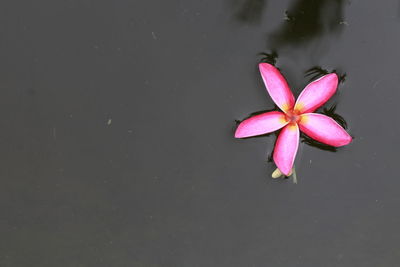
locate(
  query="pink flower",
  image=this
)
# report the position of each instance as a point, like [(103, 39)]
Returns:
[(296, 116)]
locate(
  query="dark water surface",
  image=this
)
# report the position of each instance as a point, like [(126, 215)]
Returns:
[(117, 143)]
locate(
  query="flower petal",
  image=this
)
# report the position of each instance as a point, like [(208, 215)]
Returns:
[(286, 148), (316, 93), (277, 86), (261, 124), (324, 129)]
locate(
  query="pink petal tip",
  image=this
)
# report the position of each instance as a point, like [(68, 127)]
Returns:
[(324, 129), (277, 86), (286, 148), (317, 93), (261, 124)]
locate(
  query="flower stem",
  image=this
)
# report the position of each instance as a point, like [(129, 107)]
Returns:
[(294, 175)]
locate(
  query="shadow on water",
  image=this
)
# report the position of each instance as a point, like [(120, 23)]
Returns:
[(249, 11), (331, 112), (312, 73), (270, 58), (306, 20), (317, 72)]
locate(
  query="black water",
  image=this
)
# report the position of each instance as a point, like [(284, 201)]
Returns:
[(117, 122)]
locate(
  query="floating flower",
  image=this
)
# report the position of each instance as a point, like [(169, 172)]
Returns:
[(296, 116)]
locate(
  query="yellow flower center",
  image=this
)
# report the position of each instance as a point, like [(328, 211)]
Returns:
[(292, 116)]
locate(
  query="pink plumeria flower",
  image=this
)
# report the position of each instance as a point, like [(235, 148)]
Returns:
[(296, 116)]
